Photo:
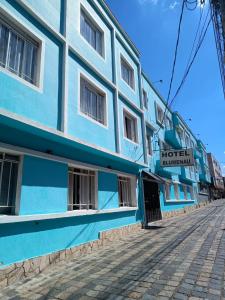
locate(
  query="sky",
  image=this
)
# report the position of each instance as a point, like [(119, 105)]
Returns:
[(152, 26)]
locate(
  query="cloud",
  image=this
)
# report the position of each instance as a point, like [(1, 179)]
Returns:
[(143, 2), (173, 5)]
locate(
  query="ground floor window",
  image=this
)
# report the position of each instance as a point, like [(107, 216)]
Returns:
[(185, 192), (176, 191), (82, 189), (125, 197), (167, 191), (8, 182)]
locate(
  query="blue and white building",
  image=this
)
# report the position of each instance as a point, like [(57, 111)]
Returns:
[(81, 129)]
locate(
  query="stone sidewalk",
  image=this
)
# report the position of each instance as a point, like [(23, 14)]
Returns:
[(178, 258)]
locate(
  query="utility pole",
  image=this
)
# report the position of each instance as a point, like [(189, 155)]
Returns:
[(218, 17)]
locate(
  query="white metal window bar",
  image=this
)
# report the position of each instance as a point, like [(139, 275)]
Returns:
[(124, 191), (8, 182), (18, 52), (81, 189), (92, 102)]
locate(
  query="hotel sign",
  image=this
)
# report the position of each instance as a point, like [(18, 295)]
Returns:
[(174, 158)]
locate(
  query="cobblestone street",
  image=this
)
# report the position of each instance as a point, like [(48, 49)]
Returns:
[(178, 258)]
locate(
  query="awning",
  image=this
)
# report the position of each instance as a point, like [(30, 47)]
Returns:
[(153, 177)]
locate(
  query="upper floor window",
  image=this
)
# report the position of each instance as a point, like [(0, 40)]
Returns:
[(149, 144), (125, 191), (18, 52), (164, 146), (82, 189), (159, 115), (169, 124), (176, 191), (127, 72), (167, 191), (130, 127), (145, 99), (92, 101), (91, 32), (8, 182), (187, 141)]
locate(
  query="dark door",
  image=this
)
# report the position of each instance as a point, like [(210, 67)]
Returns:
[(152, 204)]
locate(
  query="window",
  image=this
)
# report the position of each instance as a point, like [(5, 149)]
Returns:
[(18, 52), (145, 99), (164, 146), (8, 182), (82, 189), (176, 191), (180, 132), (187, 141), (91, 32), (185, 192), (149, 144), (167, 191), (169, 124), (127, 73), (125, 198), (130, 127), (92, 102), (159, 114)]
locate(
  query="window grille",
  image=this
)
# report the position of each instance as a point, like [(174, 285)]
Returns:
[(18, 53), (82, 189), (127, 73), (124, 191), (92, 102), (91, 33), (8, 182), (130, 127)]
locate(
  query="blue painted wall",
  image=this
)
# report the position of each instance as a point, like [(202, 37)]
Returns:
[(25, 240), (107, 190), (17, 96), (44, 186)]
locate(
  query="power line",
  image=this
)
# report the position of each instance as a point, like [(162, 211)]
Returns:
[(174, 63), (191, 63)]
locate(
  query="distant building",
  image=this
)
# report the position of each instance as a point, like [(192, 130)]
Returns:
[(217, 186)]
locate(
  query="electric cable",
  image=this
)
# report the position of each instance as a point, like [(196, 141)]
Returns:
[(174, 64), (191, 63)]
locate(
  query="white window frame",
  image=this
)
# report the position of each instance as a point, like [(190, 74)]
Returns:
[(95, 188), (129, 115), (132, 202), (176, 191), (19, 26), (15, 207), (145, 98), (94, 24), (185, 192), (101, 91), (167, 191), (168, 123), (124, 60), (149, 144), (159, 109)]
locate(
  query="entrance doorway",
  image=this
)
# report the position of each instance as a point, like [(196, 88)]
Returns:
[(152, 203)]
